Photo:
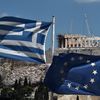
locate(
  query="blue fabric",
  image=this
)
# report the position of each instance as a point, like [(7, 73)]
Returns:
[(26, 36), (23, 48), (74, 74), (40, 38), (16, 19)]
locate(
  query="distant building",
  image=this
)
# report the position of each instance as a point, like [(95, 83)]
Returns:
[(77, 41)]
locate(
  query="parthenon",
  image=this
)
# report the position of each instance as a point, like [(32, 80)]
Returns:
[(77, 41)]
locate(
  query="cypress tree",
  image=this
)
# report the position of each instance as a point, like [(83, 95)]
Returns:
[(25, 81)]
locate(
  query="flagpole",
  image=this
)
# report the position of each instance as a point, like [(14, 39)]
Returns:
[(52, 49), (53, 34)]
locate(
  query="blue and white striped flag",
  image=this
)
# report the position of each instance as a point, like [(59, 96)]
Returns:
[(23, 39)]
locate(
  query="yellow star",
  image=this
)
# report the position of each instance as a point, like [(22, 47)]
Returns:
[(62, 72), (85, 86), (62, 79), (72, 59), (69, 85), (77, 88), (80, 58), (94, 72), (92, 80), (88, 61), (65, 64), (93, 64)]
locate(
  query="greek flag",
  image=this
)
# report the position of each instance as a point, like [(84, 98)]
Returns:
[(23, 39)]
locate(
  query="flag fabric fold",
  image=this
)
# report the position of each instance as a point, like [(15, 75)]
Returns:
[(23, 39), (74, 74)]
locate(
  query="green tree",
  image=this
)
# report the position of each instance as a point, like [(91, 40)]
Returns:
[(41, 92)]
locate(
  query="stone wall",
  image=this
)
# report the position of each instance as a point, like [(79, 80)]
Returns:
[(81, 97)]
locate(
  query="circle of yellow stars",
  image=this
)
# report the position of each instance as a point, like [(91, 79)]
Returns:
[(91, 81)]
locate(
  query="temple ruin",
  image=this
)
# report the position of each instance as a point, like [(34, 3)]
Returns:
[(78, 41)]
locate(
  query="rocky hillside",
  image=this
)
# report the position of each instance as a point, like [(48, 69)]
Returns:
[(9, 72)]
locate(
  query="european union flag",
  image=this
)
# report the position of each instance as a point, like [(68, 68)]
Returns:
[(74, 73)]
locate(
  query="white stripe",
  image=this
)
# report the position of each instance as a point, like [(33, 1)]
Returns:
[(4, 32), (21, 53), (38, 23), (33, 29), (21, 25), (15, 33), (9, 23), (43, 31), (21, 43)]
